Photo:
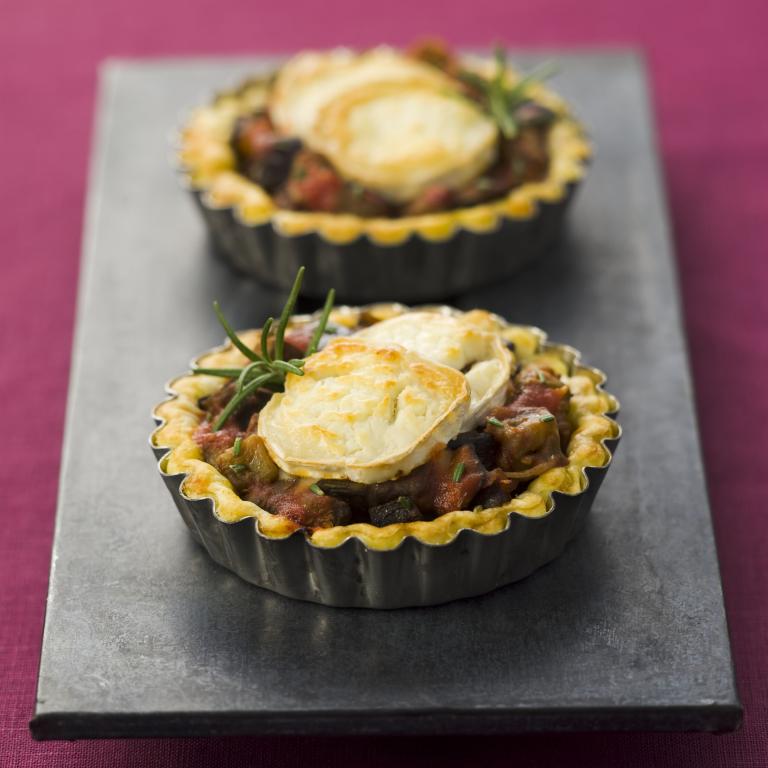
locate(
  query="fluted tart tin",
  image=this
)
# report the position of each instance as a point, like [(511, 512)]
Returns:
[(411, 258), (366, 567)]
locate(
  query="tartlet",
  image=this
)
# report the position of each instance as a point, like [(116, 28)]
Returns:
[(385, 174), (386, 535)]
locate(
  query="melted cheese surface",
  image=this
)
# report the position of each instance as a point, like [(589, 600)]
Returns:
[(389, 122), (400, 139), (364, 412), (309, 81), (458, 342)]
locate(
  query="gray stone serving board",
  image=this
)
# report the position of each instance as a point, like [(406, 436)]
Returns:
[(144, 635)]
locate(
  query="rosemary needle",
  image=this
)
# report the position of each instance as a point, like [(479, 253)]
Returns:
[(286, 314), (316, 336), (234, 403), (501, 100), (265, 369)]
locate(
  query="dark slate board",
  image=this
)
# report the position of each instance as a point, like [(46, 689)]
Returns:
[(145, 636)]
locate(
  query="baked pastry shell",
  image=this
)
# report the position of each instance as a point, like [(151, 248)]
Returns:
[(358, 572), (410, 259)]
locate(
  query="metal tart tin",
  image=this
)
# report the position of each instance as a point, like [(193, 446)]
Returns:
[(415, 270), (412, 574), (409, 259)]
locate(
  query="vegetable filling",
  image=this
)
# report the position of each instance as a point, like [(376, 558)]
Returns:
[(300, 179), (478, 469)]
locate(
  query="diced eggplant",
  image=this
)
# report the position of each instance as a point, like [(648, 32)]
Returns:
[(530, 113), (250, 463), (343, 488), (399, 510), (529, 441), (275, 166), (483, 443), (494, 496)]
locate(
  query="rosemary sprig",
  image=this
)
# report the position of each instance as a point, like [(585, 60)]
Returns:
[(265, 369), (240, 395), (502, 99)]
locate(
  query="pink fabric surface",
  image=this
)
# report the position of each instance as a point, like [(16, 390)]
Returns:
[(709, 66)]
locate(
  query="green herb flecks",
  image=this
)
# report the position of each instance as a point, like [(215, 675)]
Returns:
[(227, 373), (316, 489), (265, 369), (547, 418), (238, 468), (458, 472), (494, 421), (237, 446)]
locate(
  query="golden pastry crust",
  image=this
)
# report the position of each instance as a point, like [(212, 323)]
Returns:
[(209, 167), (590, 405), (363, 411)]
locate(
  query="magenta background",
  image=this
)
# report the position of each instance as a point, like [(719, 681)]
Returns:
[(709, 66)]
